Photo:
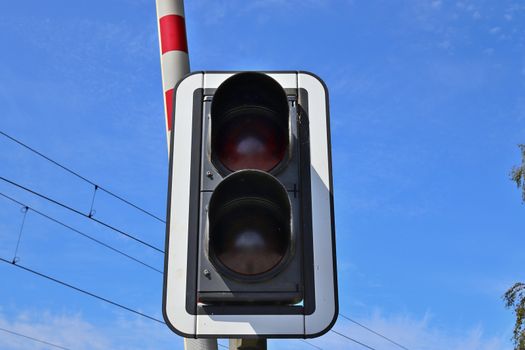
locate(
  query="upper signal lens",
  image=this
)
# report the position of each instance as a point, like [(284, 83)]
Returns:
[(249, 123), (251, 140)]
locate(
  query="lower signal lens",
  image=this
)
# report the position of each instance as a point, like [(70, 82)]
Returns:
[(249, 225), (250, 237)]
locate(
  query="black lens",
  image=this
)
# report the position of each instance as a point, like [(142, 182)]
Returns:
[(250, 238), (249, 216), (249, 116), (251, 139)]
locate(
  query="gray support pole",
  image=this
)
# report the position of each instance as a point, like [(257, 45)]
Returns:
[(200, 344), (248, 344)]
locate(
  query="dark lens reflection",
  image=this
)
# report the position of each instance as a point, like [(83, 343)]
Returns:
[(251, 141), (250, 236)]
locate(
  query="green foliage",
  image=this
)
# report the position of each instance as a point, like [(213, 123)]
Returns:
[(515, 298), (517, 173)]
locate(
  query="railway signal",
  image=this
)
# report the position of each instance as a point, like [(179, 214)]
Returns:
[(250, 243)]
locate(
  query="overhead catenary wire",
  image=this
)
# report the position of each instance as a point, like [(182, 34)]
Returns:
[(353, 340), (90, 217), (26, 207), (153, 247), (83, 291), (80, 290), (20, 231), (312, 345), (96, 186), (33, 339), (374, 332), (157, 320)]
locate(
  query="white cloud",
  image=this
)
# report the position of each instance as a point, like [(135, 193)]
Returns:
[(69, 331), (124, 332), (73, 331), (411, 332)]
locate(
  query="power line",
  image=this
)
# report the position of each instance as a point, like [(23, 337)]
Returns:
[(134, 311), (80, 290), (153, 247), (90, 217), (33, 339), (24, 210), (26, 207), (82, 177), (312, 345), (372, 331), (353, 340)]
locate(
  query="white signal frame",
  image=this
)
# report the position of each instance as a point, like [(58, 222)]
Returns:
[(323, 232)]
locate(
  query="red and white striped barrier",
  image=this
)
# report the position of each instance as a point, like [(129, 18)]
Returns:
[(175, 62)]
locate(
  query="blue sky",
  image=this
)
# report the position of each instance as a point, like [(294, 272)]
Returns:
[(427, 105)]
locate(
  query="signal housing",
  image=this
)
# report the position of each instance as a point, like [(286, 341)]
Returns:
[(250, 246)]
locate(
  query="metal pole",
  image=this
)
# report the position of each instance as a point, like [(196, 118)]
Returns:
[(248, 344), (200, 344), (174, 58), (175, 64)]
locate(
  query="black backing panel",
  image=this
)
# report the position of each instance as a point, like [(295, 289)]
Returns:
[(193, 223)]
